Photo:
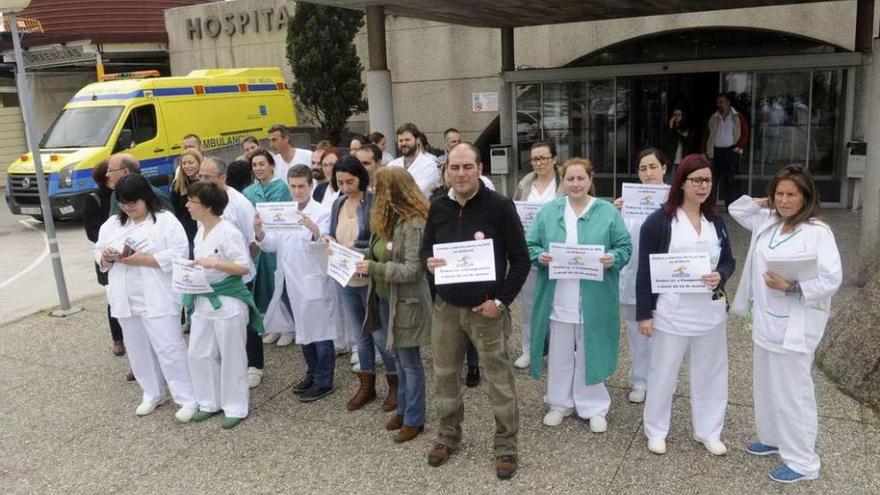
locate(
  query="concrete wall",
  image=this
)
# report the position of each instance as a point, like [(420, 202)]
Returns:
[(12, 140), (435, 67)]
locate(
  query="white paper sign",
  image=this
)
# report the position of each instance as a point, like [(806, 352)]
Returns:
[(188, 278), (484, 102), (679, 273), (576, 261), (279, 216), (793, 268), (133, 239), (527, 211), (341, 263), (469, 261), (640, 200)]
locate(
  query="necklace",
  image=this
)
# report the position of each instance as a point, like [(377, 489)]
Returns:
[(783, 240)]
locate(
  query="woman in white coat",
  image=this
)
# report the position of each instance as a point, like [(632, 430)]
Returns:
[(138, 247), (652, 166), (302, 287), (788, 314)]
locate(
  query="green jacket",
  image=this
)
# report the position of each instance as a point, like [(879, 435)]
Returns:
[(409, 298), (600, 307), (230, 287), (263, 285)]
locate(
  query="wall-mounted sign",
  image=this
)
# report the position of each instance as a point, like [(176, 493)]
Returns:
[(484, 102), (238, 23), (62, 55)]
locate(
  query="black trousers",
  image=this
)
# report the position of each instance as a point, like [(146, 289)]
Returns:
[(725, 165), (115, 328), (254, 346)]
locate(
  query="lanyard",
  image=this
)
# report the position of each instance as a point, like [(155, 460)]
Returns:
[(781, 241)]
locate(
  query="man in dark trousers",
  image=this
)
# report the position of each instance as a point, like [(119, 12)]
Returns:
[(476, 310), (726, 136)]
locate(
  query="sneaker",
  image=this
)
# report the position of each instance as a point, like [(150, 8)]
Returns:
[(438, 454), (255, 377), (285, 340), (657, 445), (303, 385), (758, 448), (784, 474), (472, 379), (200, 416), (354, 359), (637, 396), (314, 393), (715, 447), (356, 367), (146, 408), (522, 362), (185, 414), (506, 466), (229, 422), (555, 417), (270, 338), (598, 424)]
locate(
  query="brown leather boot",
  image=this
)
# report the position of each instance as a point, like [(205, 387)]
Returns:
[(407, 433), (390, 403), (395, 423), (365, 394)]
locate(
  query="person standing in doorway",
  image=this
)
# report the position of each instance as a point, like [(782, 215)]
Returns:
[(727, 134), (677, 140)]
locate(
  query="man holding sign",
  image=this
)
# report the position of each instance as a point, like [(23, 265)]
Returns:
[(477, 222)]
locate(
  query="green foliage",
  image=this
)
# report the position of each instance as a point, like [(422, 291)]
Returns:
[(322, 55)]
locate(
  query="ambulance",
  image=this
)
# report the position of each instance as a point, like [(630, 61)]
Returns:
[(146, 116)]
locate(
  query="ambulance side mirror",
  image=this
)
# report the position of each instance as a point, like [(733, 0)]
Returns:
[(123, 142)]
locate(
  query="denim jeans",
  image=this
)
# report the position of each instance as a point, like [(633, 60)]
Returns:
[(354, 303), (410, 376), (320, 362)]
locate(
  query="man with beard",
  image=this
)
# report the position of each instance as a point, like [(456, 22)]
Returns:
[(421, 166)]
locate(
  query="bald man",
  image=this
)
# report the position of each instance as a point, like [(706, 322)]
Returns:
[(122, 164)]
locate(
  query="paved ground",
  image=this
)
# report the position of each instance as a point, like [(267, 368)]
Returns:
[(67, 425)]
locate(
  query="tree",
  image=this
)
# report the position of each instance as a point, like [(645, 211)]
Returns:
[(322, 54)]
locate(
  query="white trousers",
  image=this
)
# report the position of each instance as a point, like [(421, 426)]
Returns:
[(218, 363), (566, 376), (785, 407), (157, 354), (707, 367), (527, 300), (639, 349)]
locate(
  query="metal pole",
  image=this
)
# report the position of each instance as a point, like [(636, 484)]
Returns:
[(25, 102)]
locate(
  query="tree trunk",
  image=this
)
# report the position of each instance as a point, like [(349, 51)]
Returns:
[(850, 352)]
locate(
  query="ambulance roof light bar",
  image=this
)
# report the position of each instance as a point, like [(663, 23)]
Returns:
[(140, 74)]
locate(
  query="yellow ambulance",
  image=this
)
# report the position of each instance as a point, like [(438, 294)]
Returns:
[(147, 117)]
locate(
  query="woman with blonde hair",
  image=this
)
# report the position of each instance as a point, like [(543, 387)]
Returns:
[(398, 293), (581, 318), (187, 173)]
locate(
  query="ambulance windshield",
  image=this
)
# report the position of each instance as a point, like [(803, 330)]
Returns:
[(82, 127)]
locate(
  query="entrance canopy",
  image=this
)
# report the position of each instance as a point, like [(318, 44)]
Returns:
[(514, 13)]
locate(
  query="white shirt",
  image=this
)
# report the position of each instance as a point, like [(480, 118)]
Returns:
[(691, 314), (548, 195), (300, 157), (329, 197), (487, 182), (225, 242), (567, 297), (724, 135), (424, 170), (240, 213)]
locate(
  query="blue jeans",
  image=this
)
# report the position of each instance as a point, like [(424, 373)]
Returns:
[(320, 362), (354, 303), (410, 376)]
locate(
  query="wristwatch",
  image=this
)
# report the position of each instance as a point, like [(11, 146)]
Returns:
[(500, 305)]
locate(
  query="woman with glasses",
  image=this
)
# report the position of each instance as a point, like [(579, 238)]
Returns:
[(541, 185), (137, 248), (692, 324), (266, 189), (788, 316), (331, 190)]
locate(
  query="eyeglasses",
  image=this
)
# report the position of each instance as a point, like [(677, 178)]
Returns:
[(328, 164), (114, 170), (206, 177), (699, 181), (541, 159)]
